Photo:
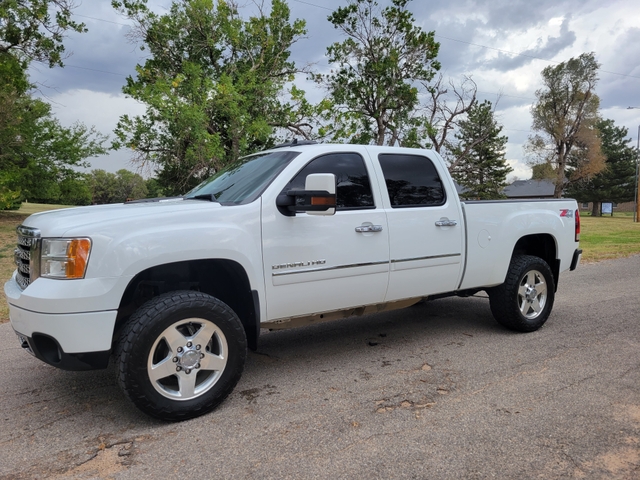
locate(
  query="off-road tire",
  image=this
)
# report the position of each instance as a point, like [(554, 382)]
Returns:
[(525, 299), (163, 325)]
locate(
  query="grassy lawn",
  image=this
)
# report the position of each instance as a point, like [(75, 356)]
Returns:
[(601, 239), (608, 237)]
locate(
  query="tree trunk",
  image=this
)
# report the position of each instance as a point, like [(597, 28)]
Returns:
[(559, 183), (596, 210)]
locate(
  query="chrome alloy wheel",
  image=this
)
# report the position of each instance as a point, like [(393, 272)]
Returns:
[(187, 359), (532, 294)]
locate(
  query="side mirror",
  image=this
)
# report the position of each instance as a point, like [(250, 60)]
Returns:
[(318, 197)]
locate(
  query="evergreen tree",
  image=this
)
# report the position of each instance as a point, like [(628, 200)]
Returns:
[(616, 183), (479, 163)]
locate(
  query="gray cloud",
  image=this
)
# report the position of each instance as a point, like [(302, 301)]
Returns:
[(458, 25), (543, 50), (98, 60)]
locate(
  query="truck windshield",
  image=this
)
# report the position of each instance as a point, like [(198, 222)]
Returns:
[(245, 180)]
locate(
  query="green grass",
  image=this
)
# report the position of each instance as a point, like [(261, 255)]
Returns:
[(602, 238), (608, 237), (30, 208)]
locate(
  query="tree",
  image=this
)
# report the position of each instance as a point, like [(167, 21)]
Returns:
[(616, 182), (34, 29), (543, 171), (154, 190), (38, 156), (480, 166), (36, 152), (441, 116), (213, 86), (373, 91), (75, 190), (130, 186), (104, 186), (564, 117), (107, 187)]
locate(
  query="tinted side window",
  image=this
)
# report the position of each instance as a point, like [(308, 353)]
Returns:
[(412, 181), (353, 189)]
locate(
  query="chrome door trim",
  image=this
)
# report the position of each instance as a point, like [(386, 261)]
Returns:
[(431, 257), (326, 269)]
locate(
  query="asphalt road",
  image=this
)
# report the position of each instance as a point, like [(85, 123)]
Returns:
[(435, 391)]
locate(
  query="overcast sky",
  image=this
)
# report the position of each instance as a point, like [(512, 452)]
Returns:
[(502, 44)]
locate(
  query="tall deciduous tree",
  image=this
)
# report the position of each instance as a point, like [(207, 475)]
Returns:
[(478, 161), (373, 90), (38, 155), (564, 116), (616, 183), (213, 86), (438, 117), (107, 187), (34, 29)]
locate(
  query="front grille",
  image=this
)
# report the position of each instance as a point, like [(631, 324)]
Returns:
[(27, 256)]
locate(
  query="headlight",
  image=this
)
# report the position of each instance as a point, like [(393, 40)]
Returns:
[(64, 257)]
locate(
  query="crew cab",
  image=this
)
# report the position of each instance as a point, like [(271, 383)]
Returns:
[(175, 290)]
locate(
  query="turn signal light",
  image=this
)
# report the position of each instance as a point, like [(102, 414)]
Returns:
[(64, 258)]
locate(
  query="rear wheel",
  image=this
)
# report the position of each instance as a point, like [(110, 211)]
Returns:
[(180, 355), (524, 301)]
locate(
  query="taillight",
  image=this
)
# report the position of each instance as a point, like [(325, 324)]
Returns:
[(577, 216)]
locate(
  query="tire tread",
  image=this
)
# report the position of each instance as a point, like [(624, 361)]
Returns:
[(143, 320), (502, 299)]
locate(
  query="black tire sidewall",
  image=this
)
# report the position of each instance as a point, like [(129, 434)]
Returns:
[(504, 298), (143, 329)]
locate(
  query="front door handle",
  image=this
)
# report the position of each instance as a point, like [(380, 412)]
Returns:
[(369, 228), (445, 222)]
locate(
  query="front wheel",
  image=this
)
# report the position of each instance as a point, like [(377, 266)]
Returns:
[(524, 301), (180, 355)]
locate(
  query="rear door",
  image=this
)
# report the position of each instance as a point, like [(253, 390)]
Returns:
[(425, 227), (318, 263)]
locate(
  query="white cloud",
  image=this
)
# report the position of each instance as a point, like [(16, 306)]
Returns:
[(101, 110)]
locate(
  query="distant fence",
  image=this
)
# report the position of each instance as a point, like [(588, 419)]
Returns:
[(617, 207)]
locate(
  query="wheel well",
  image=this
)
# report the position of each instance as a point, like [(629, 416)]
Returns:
[(541, 245), (224, 279)]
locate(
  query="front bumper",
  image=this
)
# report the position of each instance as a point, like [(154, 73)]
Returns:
[(48, 349), (71, 341)]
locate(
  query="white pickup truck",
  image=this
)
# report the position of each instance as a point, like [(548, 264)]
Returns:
[(175, 290)]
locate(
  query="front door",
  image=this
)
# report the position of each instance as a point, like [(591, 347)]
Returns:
[(319, 263)]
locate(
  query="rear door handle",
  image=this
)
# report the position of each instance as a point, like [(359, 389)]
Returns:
[(445, 222), (369, 228)]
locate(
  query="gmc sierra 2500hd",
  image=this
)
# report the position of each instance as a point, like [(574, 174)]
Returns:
[(175, 290)]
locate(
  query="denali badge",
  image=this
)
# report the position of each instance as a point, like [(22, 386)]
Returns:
[(282, 266)]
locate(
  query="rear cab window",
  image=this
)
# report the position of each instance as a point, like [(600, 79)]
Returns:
[(411, 181)]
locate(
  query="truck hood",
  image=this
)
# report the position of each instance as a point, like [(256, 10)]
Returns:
[(87, 220)]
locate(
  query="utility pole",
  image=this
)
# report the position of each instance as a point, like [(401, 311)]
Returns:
[(636, 211), (636, 214)]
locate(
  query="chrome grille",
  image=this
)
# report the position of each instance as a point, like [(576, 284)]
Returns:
[(27, 256)]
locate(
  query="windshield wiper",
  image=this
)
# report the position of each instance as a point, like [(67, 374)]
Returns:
[(203, 196)]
